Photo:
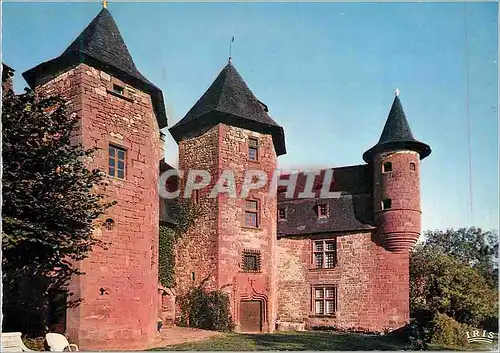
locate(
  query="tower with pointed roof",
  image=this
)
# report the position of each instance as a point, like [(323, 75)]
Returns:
[(121, 113), (234, 248), (395, 160)]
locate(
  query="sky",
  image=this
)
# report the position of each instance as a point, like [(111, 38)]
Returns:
[(327, 72)]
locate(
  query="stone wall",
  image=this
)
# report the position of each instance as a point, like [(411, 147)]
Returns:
[(372, 283), (213, 248), (120, 285)]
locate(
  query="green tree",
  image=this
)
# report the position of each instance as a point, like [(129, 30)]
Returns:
[(471, 246), (50, 200), (441, 283)]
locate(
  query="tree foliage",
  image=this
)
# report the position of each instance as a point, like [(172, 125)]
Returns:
[(50, 198), (184, 214), (208, 310), (448, 275)]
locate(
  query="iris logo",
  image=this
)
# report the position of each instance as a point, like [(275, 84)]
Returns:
[(480, 337)]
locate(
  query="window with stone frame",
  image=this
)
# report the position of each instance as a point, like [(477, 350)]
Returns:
[(117, 160), (251, 260), (253, 149), (324, 300), (324, 253), (252, 213)]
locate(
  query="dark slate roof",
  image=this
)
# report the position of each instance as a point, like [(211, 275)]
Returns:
[(100, 45), (350, 211), (346, 214), (397, 135), (7, 71), (229, 100)]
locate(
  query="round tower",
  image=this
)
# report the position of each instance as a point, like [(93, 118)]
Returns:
[(395, 161)]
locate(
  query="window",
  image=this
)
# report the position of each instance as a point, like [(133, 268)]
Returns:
[(116, 162), (118, 89), (196, 198), (253, 149), (324, 253), (323, 210), (412, 166), (281, 213), (251, 213), (325, 300), (387, 167), (386, 204), (251, 261)]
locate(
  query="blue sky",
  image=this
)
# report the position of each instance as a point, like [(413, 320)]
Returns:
[(327, 71)]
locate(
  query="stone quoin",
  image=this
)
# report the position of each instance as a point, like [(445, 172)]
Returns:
[(291, 259)]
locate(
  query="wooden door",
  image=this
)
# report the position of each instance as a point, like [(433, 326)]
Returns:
[(251, 316)]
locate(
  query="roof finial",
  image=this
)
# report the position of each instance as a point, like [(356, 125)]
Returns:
[(397, 92), (230, 48), (104, 4)]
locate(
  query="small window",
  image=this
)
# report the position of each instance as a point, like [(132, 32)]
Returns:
[(252, 213), (251, 261), (325, 253), (118, 89), (323, 210), (281, 213), (412, 166), (253, 149), (386, 204), (387, 167), (116, 166), (192, 276), (109, 224), (325, 300), (196, 198)]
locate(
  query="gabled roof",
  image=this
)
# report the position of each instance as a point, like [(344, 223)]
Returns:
[(100, 45), (397, 135), (229, 100)]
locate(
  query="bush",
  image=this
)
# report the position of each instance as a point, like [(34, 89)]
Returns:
[(448, 332), (208, 310)]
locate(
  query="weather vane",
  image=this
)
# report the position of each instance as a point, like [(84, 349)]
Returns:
[(230, 49), (397, 92), (104, 4)]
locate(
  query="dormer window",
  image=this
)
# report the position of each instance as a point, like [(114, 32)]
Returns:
[(323, 210), (281, 214), (386, 204), (118, 89), (387, 167)]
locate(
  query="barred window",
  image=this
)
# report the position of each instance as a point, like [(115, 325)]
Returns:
[(253, 149), (324, 253), (251, 260), (252, 213), (325, 300), (117, 159)]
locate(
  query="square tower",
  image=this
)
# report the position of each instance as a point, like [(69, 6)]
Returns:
[(233, 246), (121, 113)]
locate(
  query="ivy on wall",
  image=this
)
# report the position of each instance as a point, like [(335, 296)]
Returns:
[(184, 213)]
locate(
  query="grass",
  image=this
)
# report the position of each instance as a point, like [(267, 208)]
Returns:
[(301, 341)]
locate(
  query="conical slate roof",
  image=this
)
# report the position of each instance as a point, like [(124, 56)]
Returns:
[(229, 100), (100, 45), (397, 135)]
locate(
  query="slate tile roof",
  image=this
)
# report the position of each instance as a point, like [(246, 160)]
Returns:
[(397, 135), (351, 211), (100, 45), (229, 100)]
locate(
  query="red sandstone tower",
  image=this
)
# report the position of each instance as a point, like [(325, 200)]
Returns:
[(121, 113), (233, 244), (396, 181)]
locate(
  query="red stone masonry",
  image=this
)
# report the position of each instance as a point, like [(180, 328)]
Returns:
[(372, 283), (214, 246), (120, 287)]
